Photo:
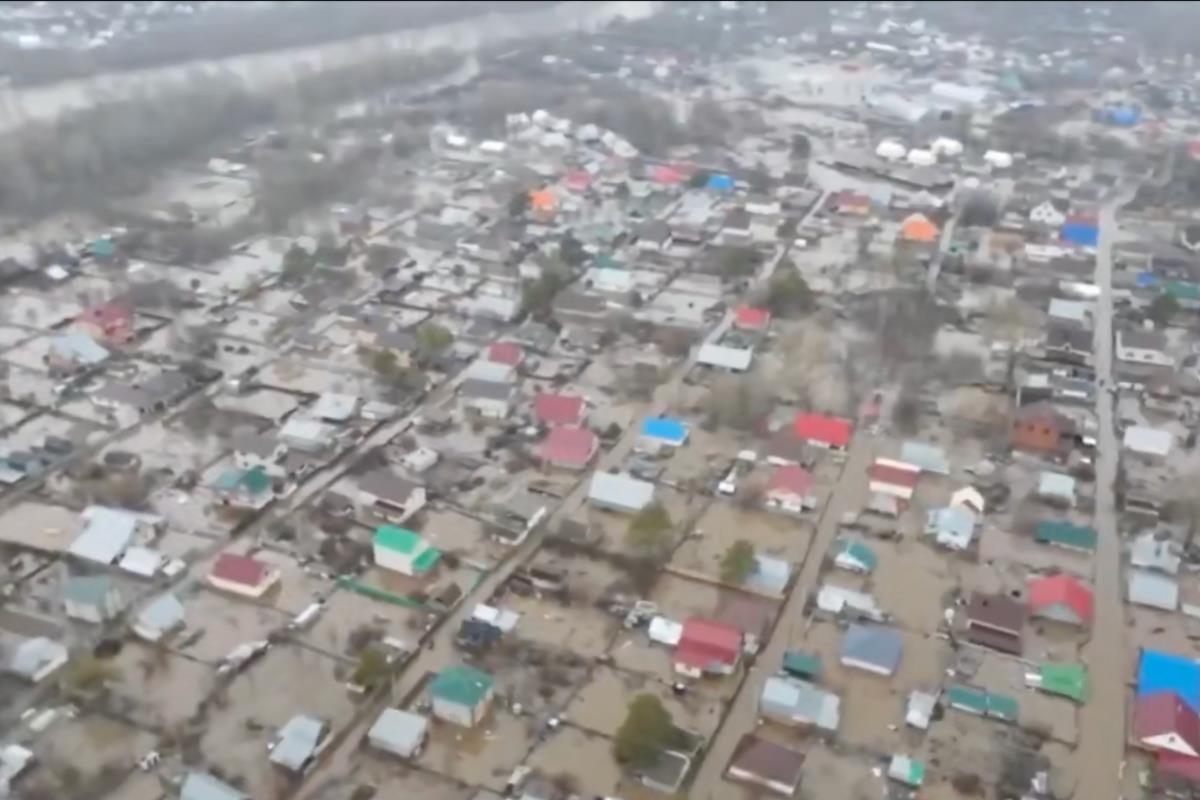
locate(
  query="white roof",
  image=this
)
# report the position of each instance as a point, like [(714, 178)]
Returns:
[(836, 600), (298, 740), (968, 497), (621, 491), (492, 371), (398, 731), (1069, 309), (142, 561), (32, 655), (106, 534), (1148, 441), (1149, 552), (665, 631), (1153, 590), (716, 355), (501, 618), (311, 430), (920, 709), (335, 407), (1055, 484)]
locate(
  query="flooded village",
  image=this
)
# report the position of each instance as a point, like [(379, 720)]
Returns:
[(717, 400)]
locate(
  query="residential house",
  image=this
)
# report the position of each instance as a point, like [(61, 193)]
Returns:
[(1148, 551), (73, 351), (1061, 598), (996, 621), (927, 457), (736, 228), (509, 353), (725, 357), (92, 598), (401, 733), (159, 618), (918, 229), (487, 399), (202, 786), (389, 495), (829, 433), (1056, 487), (404, 551), (1051, 213), (1080, 230), (299, 742), (306, 435), (244, 489), (1142, 354), (335, 407), (1040, 428), (558, 410), (951, 527), (1069, 314), (895, 478), (707, 647), (35, 659), (854, 556), (619, 492), (1150, 444), (260, 451), (1151, 589), (872, 648), (659, 432), (762, 762), (106, 534), (244, 575), (789, 489), (795, 702), (654, 236), (1163, 721), (1071, 346), (461, 695), (1059, 533), (850, 203), (749, 318), (573, 307), (111, 322), (568, 448)]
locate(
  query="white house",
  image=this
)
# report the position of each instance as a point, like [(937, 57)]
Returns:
[(891, 150), (1048, 213), (488, 399), (404, 551), (1144, 349), (91, 598)]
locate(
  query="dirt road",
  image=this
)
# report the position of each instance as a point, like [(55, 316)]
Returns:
[(1102, 721), (848, 495)]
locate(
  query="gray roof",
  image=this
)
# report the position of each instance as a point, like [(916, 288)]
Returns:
[(873, 645), (161, 614), (202, 786), (1142, 339), (259, 444), (398, 732), (106, 534), (31, 655), (387, 485), (620, 491), (1153, 590), (477, 388), (298, 740), (801, 702), (1150, 552)]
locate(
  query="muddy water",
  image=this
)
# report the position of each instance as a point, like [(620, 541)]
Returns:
[(263, 71)]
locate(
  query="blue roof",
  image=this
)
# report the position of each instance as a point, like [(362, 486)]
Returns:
[(1146, 279), (718, 181), (1167, 672), (669, 430), (1083, 234)]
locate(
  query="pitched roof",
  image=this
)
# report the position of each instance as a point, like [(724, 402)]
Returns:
[(751, 318), (1163, 713), (462, 685), (399, 540), (1061, 589), (558, 409), (202, 786), (790, 478), (832, 431), (1068, 680), (621, 491), (873, 644), (704, 641), (893, 474), (240, 569), (1065, 534), (568, 445), (480, 389), (505, 353), (996, 611), (1159, 671), (87, 589), (385, 484), (764, 760)]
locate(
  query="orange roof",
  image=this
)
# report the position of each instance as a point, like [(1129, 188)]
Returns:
[(918, 228), (542, 200)]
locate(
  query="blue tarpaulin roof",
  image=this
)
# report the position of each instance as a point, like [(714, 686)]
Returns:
[(1081, 234), (1145, 279), (718, 181), (1167, 672), (668, 430)]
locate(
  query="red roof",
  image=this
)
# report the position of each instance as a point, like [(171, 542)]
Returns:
[(893, 475), (565, 445), (1194, 148), (113, 312), (558, 409), (751, 318), (790, 478), (1061, 590), (1161, 713), (705, 641), (240, 569), (665, 173), (578, 180), (832, 431), (505, 353), (1179, 765)]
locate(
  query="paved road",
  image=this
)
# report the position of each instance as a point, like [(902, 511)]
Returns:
[(1102, 721), (848, 495)]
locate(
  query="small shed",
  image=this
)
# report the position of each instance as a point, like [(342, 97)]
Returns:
[(401, 733)]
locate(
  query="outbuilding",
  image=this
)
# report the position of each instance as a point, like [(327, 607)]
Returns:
[(401, 733)]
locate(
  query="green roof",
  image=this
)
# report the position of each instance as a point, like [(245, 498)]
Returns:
[(799, 664), (103, 248), (427, 560), (907, 770), (985, 704), (1068, 680), (400, 540), (463, 685), (1064, 534), (1182, 290), (859, 552)]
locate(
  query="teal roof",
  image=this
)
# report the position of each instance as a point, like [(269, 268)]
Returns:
[(1182, 290), (1064, 534), (985, 704), (461, 684), (859, 552), (800, 664), (399, 540), (103, 248), (254, 481), (427, 560)]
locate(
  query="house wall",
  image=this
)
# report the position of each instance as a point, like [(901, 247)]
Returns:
[(488, 408), (242, 589), (461, 715), (397, 562)]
